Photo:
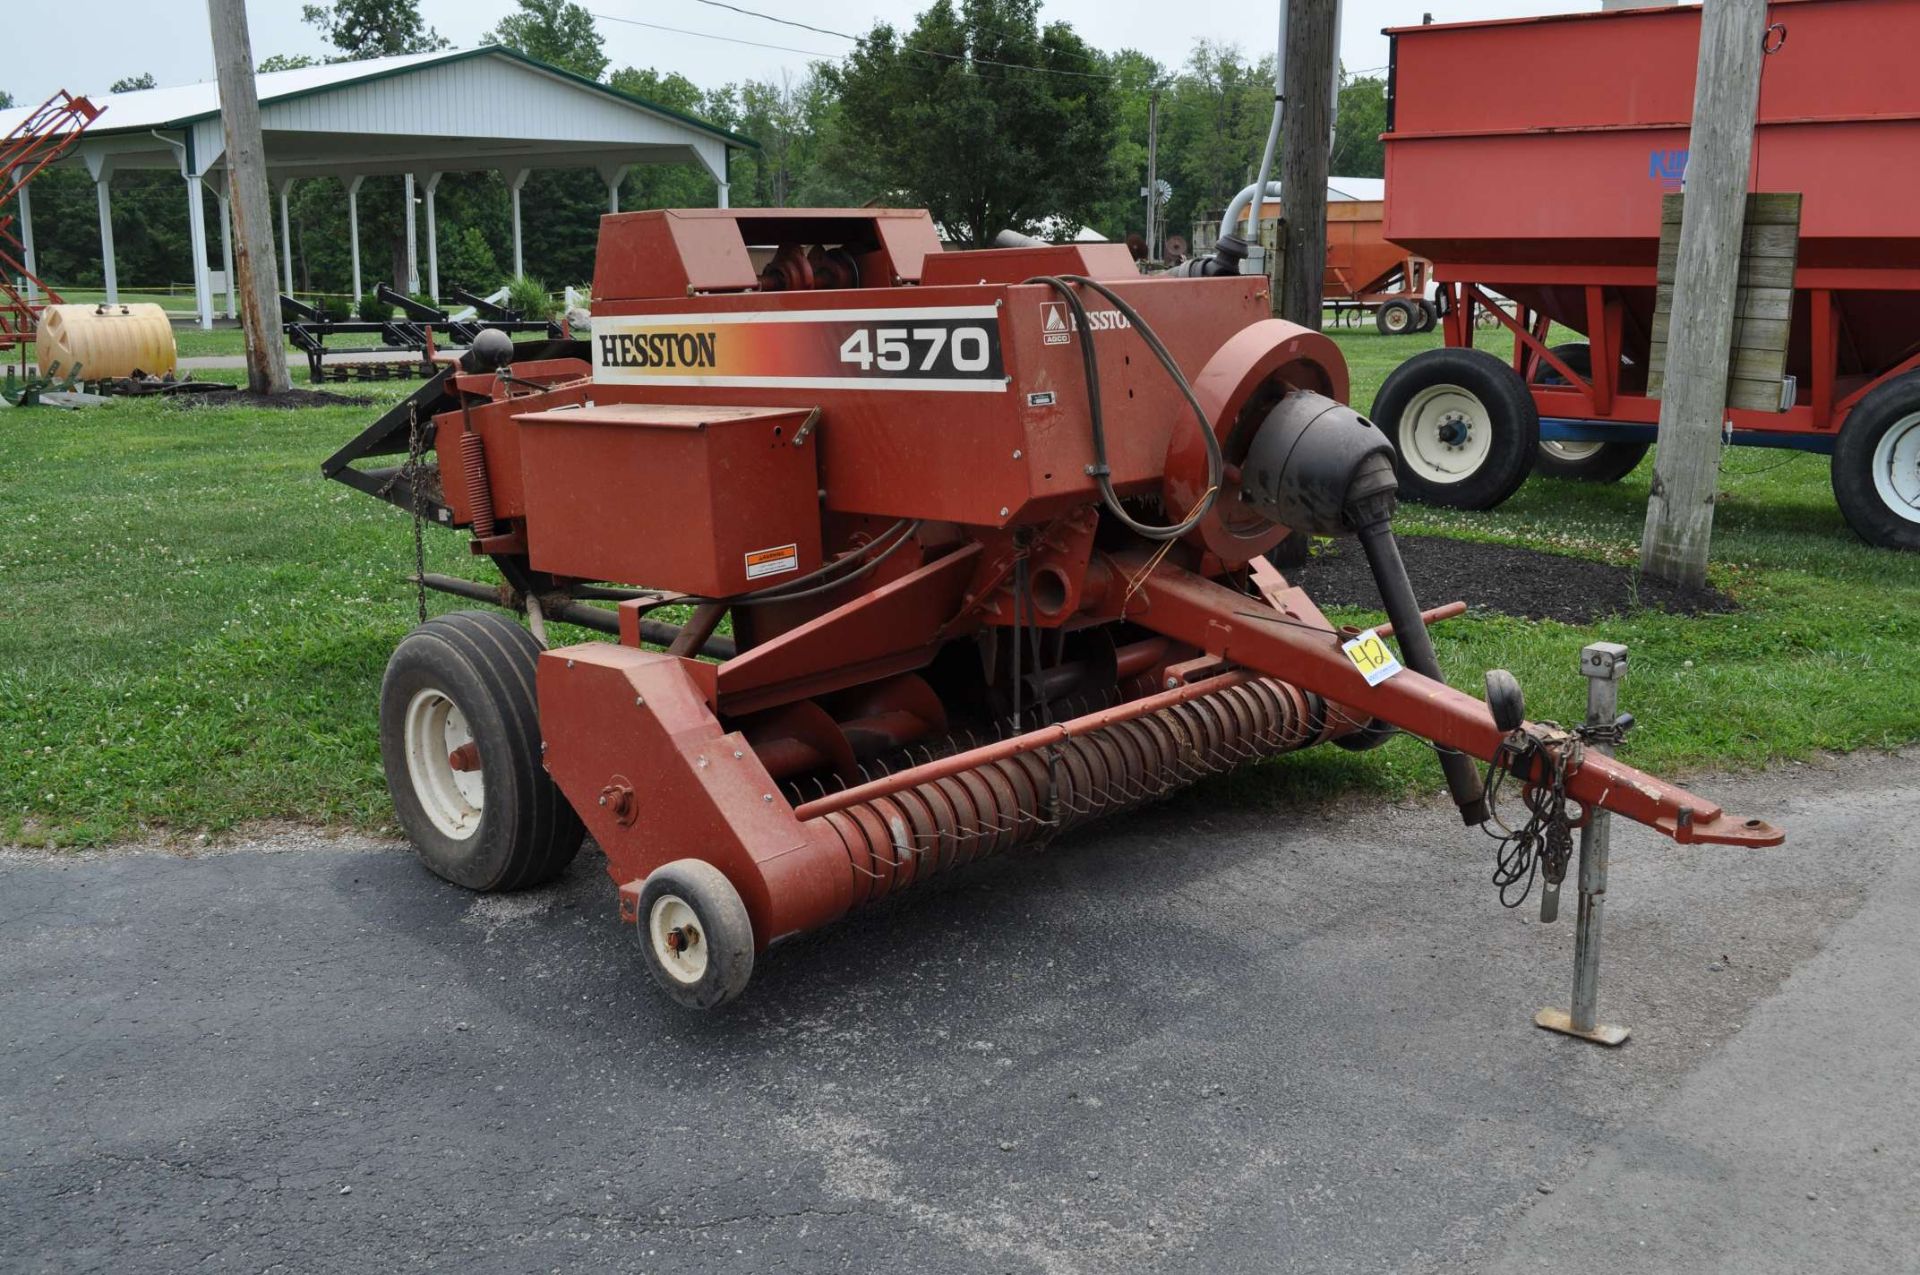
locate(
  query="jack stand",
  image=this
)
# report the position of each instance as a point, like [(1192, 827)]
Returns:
[(1604, 664)]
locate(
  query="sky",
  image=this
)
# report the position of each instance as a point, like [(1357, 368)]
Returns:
[(170, 38)]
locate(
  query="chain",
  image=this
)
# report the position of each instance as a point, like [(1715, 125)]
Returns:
[(1544, 845), (418, 499)]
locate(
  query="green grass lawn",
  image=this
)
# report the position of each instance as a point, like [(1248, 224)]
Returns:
[(196, 623)]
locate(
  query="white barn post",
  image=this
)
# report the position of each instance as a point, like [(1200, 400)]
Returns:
[(286, 235), (26, 240), (101, 169), (353, 230), (613, 175), (197, 238), (413, 242), (516, 178), (433, 239), (226, 249)]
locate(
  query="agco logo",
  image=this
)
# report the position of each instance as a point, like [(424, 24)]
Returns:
[(1057, 324), (1669, 168)]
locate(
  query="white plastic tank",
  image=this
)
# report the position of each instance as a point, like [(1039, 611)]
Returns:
[(105, 340)]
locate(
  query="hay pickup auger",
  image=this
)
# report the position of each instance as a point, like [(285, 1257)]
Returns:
[(990, 528)]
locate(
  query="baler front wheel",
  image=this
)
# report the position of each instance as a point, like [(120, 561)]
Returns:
[(1463, 425), (695, 933), (460, 742), (1876, 465)]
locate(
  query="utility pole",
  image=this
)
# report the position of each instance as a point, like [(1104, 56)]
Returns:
[(1311, 45), (1153, 169), (252, 207), (1686, 470)]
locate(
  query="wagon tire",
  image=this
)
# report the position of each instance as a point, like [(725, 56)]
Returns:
[(1429, 315), (695, 933), (1463, 425), (1587, 462), (1876, 465), (460, 743), (1396, 318)]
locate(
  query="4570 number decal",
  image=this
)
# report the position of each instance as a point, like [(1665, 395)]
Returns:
[(925, 348), (940, 350)]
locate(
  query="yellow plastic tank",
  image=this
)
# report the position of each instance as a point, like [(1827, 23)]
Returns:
[(105, 340)]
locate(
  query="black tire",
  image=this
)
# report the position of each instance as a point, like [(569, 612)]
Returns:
[(1429, 315), (1582, 462), (1396, 318), (713, 958), (1449, 384), (480, 666), (1876, 465)]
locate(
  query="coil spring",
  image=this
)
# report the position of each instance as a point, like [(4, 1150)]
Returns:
[(473, 466), (919, 832)]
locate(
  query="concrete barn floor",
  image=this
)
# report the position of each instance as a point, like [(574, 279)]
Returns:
[(1208, 1038)]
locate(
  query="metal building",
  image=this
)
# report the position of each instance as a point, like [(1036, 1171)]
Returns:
[(419, 116)]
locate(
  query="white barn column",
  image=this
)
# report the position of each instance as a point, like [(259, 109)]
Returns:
[(26, 240), (286, 236), (197, 237), (613, 175), (353, 231), (102, 169), (413, 241), (516, 178), (722, 203), (226, 250), (432, 184)]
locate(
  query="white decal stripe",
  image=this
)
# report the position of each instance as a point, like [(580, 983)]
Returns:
[(611, 376), (616, 322)]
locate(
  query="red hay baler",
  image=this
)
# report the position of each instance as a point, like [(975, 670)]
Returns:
[(989, 528)]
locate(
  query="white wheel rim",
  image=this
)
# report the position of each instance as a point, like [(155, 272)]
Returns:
[(1397, 320), (1567, 449), (679, 940), (1896, 468), (452, 799), (1446, 434)]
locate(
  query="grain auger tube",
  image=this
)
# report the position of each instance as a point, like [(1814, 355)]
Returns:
[(989, 529)]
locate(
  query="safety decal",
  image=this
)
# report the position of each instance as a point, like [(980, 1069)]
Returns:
[(772, 562)]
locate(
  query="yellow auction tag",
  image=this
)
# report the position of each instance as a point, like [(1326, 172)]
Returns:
[(1370, 654)]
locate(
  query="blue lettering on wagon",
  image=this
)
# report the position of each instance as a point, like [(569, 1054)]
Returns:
[(1667, 167)]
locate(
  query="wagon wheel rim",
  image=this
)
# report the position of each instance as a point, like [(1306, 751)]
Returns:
[(1446, 434), (679, 945), (435, 731), (1896, 468), (1398, 319), (1568, 450)]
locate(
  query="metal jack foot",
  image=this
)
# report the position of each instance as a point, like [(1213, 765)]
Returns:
[(1603, 663)]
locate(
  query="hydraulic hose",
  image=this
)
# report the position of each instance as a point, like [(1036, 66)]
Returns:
[(1416, 646)]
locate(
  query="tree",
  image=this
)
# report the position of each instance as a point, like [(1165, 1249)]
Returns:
[(1213, 126), (1357, 148), (287, 62), (134, 83), (6, 100), (555, 32), (373, 28), (982, 115)]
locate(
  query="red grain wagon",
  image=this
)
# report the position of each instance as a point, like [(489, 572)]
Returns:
[(1528, 158)]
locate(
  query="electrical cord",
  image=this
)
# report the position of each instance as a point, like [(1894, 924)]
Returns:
[(805, 586), (1100, 470)]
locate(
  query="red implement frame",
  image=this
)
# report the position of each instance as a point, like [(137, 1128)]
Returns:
[(48, 132)]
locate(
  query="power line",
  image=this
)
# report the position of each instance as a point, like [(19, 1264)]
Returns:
[(909, 48), (708, 35)]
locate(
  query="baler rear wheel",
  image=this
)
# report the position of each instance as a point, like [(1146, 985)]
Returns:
[(1464, 428), (1396, 318), (1876, 465), (1587, 462), (460, 742), (695, 933)]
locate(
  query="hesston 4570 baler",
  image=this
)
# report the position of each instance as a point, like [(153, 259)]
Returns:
[(990, 528)]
